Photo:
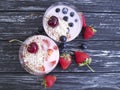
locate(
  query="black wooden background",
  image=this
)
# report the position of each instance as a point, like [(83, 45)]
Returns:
[(23, 18)]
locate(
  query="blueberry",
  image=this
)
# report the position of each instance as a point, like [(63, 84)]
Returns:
[(63, 38), (65, 18), (62, 46), (72, 14), (76, 20), (57, 10), (83, 46), (70, 24), (64, 10)]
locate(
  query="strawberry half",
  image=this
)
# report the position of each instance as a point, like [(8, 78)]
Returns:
[(65, 60), (49, 81), (83, 59), (89, 32)]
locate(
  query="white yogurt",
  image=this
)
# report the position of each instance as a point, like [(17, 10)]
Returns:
[(62, 28), (39, 63)]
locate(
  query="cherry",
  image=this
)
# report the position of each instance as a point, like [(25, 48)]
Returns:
[(32, 47), (53, 21)]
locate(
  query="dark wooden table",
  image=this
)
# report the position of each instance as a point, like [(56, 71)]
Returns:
[(23, 18)]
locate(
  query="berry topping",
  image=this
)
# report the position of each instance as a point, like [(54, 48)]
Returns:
[(70, 24), (53, 21), (72, 14), (65, 10), (57, 10), (50, 51), (32, 47), (65, 18), (76, 20), (63, 38)]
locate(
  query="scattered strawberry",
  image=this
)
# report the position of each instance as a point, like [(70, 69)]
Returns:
[(49, 81), (89, 32), (83, 21), (50, 51), (83, 59), (65, 60)]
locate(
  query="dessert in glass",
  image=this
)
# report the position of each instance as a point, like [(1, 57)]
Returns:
[(60, 21), (39, 55)]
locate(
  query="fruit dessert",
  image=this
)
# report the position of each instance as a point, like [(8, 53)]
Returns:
[(39, 55), (61, 20)]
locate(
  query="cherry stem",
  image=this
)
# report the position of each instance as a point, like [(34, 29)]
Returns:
[(90, 68), (15, 40)]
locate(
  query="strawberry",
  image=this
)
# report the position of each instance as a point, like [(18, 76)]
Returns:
[(42, 68), (83, 21), (50, 51), (53, 63), (89, 32), (65, 60), (46, 42), (83, 59), (49, 81)]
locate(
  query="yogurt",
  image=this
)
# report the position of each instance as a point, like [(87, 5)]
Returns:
[(70, 23), (44, 60)]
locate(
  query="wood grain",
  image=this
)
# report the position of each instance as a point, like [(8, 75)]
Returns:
[(42, 5), (78, 81)]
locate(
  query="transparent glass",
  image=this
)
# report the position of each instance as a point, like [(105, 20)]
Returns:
[(69, 28)]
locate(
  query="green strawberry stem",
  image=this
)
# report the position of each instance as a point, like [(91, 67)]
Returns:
[(44, 83), (90, 67), (15, 40)]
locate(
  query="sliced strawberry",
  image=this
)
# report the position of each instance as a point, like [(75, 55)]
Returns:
[(42, 68), (53, 63), (50, 51), (55, 48), (49, 81), (89, 32), (83, 59), (65, 60), (46, 42)]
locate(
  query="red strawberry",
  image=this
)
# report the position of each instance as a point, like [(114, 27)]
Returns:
[(46, 42), (42, 68), (50, 51), (83, 21), (89, 32), (65, 60), (49, 81), (53, 63), (55, 48), (83, 59)]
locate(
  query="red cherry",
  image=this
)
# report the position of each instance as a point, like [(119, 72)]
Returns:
[(32, 48), (53, 21)]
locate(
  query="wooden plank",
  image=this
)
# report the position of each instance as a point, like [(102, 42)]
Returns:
[(65, 81), (105, 56), (42, 5), (21, 25)]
